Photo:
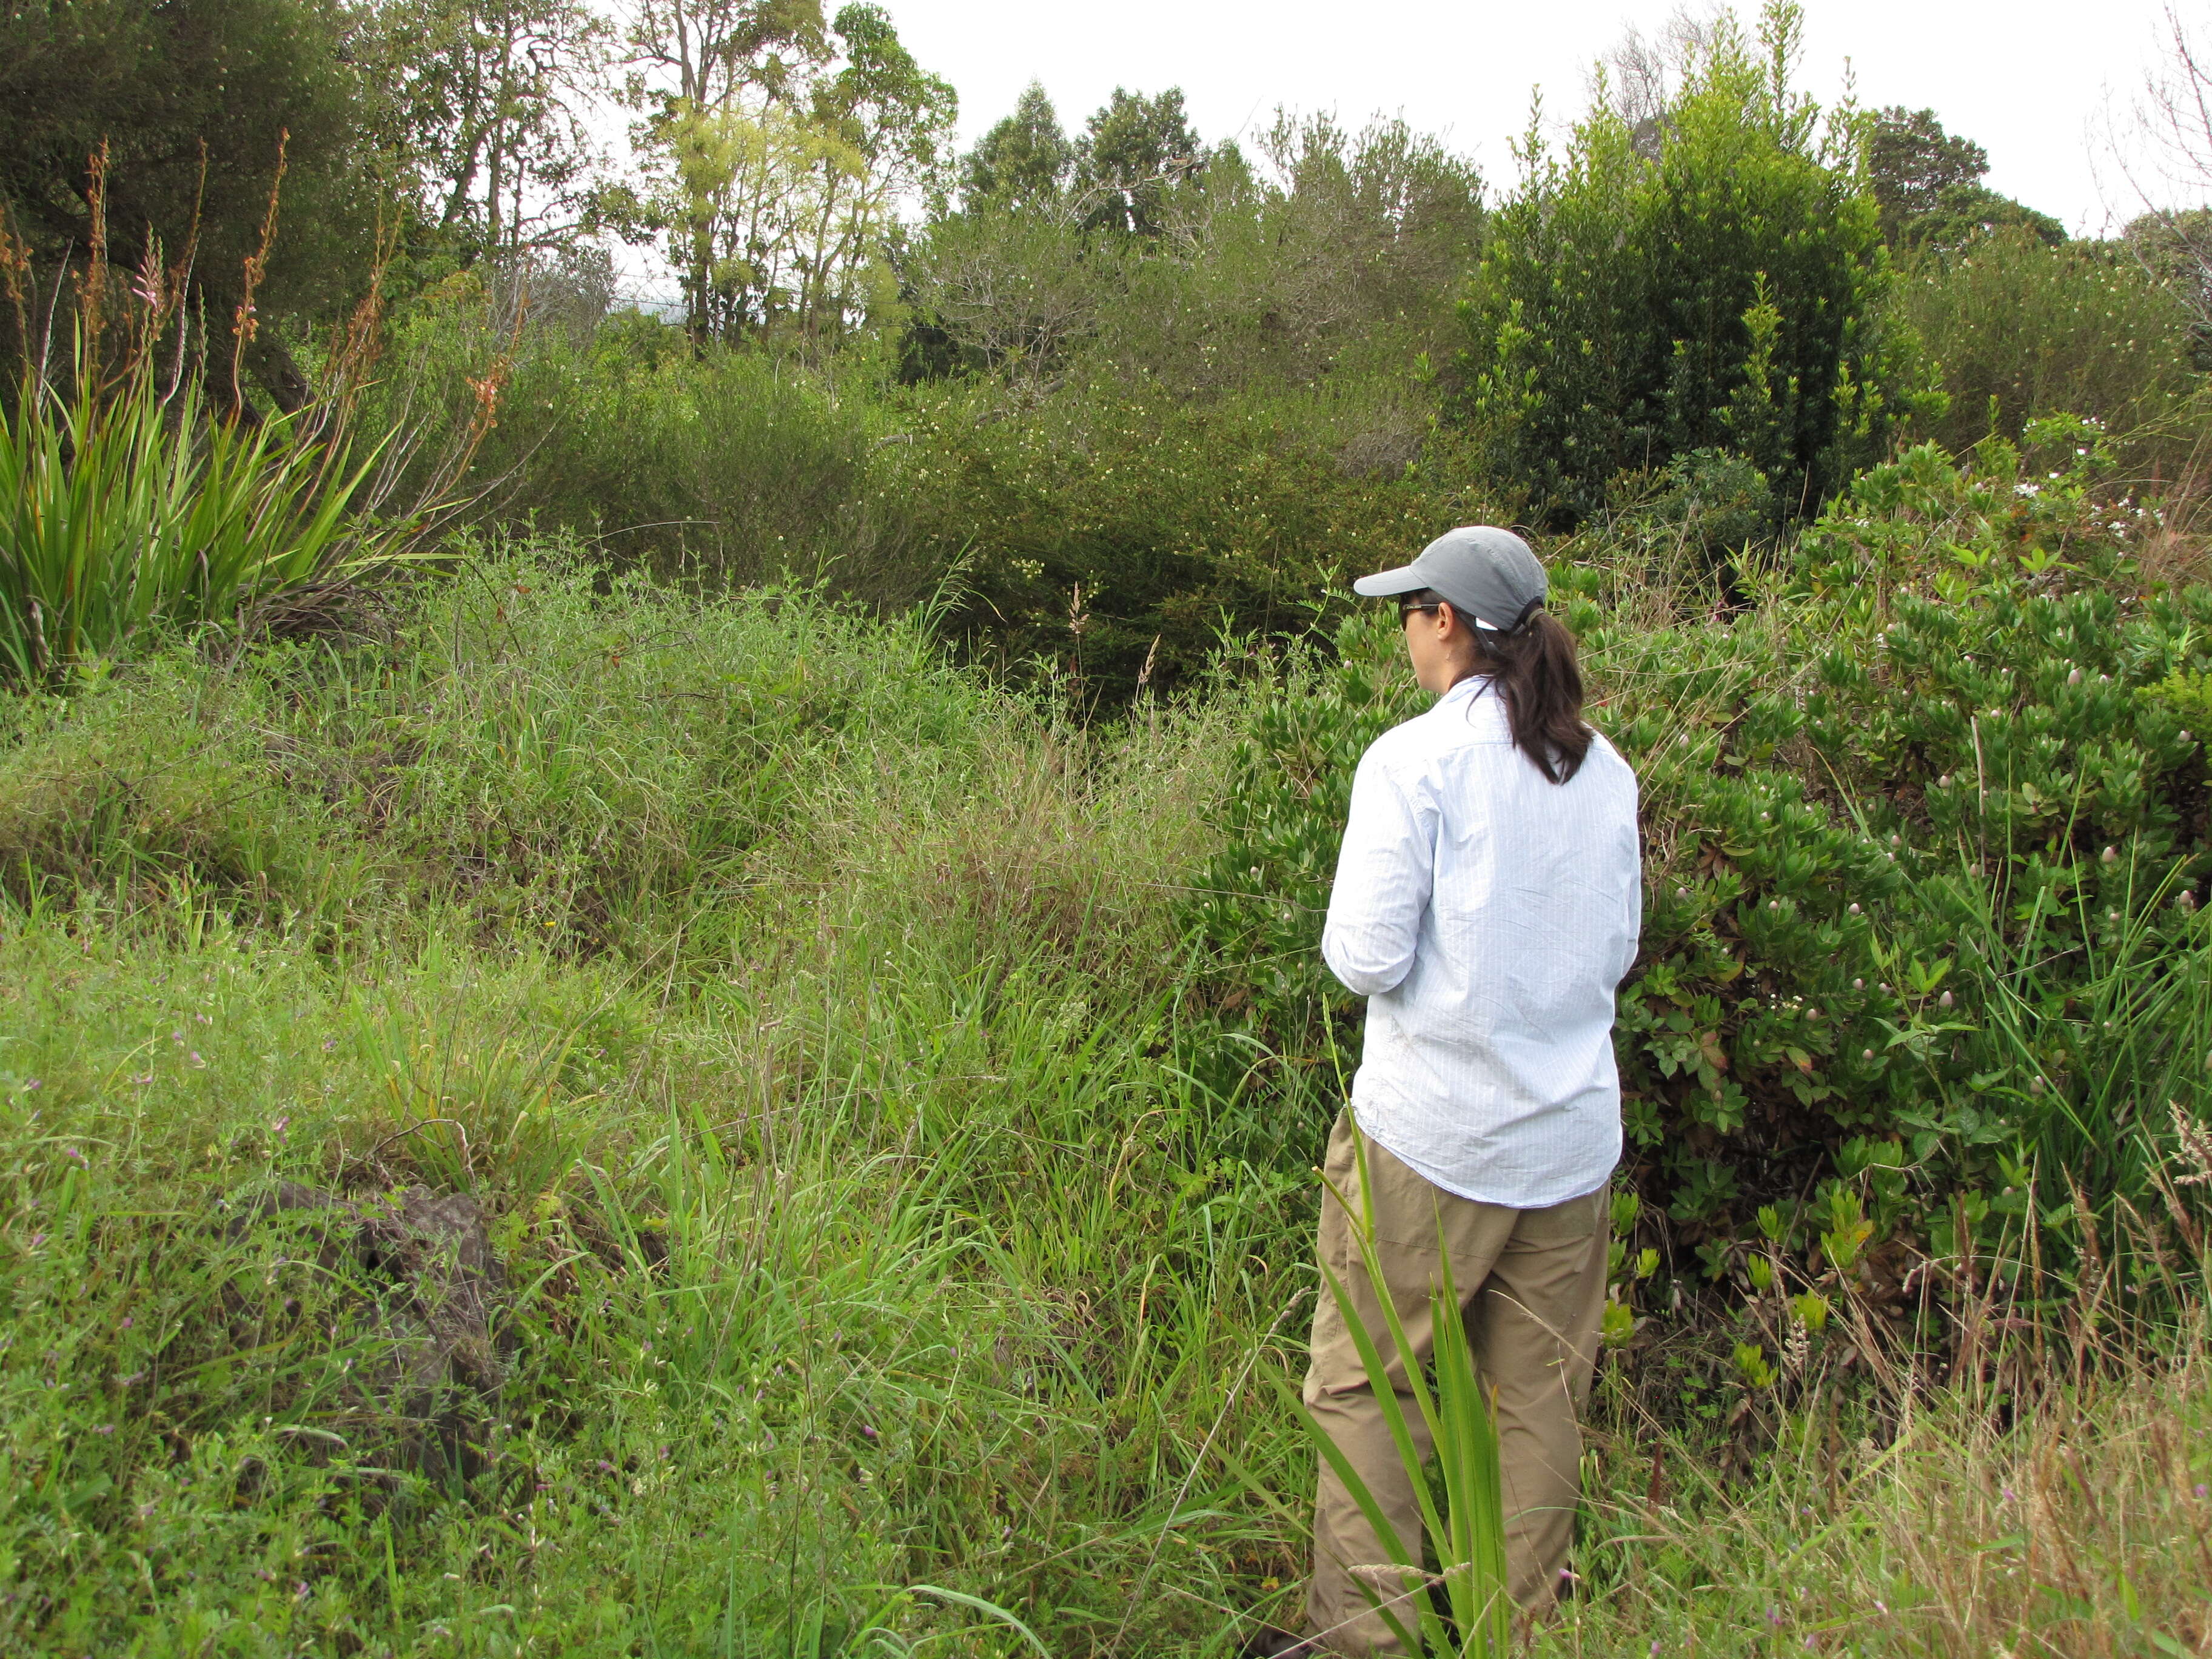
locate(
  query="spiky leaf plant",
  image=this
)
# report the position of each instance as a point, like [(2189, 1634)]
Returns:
[(133, 508)]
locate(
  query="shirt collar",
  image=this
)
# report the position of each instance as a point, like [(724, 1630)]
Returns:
[(1472, 686)]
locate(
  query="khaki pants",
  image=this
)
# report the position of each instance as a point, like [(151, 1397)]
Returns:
[(1531, 1285)]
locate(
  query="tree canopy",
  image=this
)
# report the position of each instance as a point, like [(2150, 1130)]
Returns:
[(1928, 185), (1024, 159), (1720, 289), (195, 104)]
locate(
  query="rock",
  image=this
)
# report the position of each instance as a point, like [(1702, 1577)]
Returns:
[(422, 1293), (447, 1366)]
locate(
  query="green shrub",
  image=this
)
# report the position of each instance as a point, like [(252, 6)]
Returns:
[(1713, 501), (2019, 329), (1921, 868), (1712, 281), (1097, 534), (1333, 251), (727, 464)]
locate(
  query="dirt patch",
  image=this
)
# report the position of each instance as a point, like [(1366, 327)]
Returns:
[(421, 1294)]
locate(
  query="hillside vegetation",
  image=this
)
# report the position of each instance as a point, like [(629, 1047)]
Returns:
[(891, 1192), (659, 977)]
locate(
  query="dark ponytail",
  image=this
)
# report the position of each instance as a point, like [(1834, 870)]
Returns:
[(1534, 668)]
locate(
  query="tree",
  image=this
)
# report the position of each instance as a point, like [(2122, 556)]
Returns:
[(1638, 77), (707, 53), (695, 66), (1131, 153), (780, 191), (1724, 294), (2164, 153), (1928, 185), (486, 100), (1023, 161), (1341, 243), (194, 102)]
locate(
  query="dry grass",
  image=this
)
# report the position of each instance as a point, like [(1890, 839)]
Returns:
[(2076, 1525)]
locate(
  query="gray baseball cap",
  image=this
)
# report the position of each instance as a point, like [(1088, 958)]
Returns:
[(1489, 574)]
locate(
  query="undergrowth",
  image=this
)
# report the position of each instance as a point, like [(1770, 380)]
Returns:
[(888, 1267)]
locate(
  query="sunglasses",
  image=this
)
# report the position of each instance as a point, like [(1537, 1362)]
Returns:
[(1406, 608)]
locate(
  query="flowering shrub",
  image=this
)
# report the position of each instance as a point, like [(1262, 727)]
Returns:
[(1925, 832)]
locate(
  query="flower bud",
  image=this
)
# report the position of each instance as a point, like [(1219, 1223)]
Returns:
[(2110, 855), (2035, 1086), (2074, 678), (1866, 1054), (1944, 1001), (1943, 782), (1858, 985), (1855, 910)]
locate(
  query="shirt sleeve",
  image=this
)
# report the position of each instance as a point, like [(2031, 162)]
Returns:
[(1383, 874), (1631, 921)]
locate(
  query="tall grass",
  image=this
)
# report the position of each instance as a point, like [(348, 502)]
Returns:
[(868, 1238), (881, 1272)]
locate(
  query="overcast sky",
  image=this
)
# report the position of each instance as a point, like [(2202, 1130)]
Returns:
[(2031, 80)]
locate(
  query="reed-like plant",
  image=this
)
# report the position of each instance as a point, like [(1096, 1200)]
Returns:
[(132, 509), (1469, 1530), (141, 490)]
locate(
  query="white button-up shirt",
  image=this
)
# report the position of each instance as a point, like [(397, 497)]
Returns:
[(1488, 916)]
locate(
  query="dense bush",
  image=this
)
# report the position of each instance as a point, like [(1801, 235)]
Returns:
[(1714, 278), (732, 464), (1096, 536), (1126, 446), (1332, 250), (1925, 834), (2020, 329)]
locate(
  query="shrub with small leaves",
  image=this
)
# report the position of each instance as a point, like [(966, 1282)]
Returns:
[(1925, 830)]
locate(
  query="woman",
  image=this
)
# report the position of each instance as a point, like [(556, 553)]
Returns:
[(1487, 902)]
